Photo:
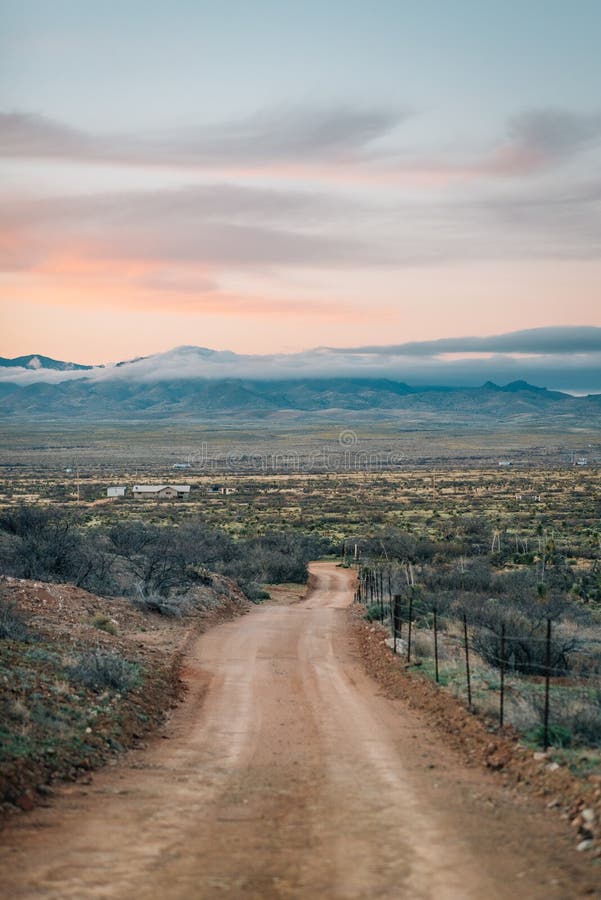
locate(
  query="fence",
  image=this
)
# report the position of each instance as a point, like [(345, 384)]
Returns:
[(531, 675)]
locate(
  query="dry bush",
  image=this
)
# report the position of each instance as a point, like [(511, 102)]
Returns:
[(12, 624), (98, 670), (172, 606), (105, 623)]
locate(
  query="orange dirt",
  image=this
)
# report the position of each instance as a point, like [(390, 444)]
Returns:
[(287, 774)]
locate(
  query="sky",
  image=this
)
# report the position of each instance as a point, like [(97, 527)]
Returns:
[(269, 177)]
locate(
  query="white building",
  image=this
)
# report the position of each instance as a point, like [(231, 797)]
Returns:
[(117, 490)]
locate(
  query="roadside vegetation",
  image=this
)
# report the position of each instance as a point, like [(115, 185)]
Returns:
[(508, 548), (71, 696), (153, 564), (498, 593)]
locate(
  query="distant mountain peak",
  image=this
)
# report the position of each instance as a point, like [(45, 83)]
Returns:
[(521, 385), (35, 362)]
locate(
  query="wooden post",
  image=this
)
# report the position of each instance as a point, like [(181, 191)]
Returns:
[(502, 668), (436, 644), (467, 662), (409, 626), (547, 685)]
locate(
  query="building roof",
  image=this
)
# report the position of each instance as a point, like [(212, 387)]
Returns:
[(155, 488)]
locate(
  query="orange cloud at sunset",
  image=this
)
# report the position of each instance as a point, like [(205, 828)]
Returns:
[(110, 311)]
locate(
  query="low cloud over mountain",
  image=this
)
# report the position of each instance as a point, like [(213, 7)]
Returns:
[(566, 359)]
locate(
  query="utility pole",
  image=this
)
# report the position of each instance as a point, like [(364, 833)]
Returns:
[(76, 464)]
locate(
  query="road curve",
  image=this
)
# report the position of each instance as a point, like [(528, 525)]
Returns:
[(285, 775)]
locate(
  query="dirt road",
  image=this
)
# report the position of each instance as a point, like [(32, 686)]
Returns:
[(286, 775)]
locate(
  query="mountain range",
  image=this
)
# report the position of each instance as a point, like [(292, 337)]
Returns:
[(201, 385)]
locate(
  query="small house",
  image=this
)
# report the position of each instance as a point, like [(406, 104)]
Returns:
[(161, 491)]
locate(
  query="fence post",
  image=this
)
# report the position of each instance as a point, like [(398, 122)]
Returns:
[(409, 626), (502, 667), (436, 643), (394, 622), (467, 662), (399, 613), (547, 684)]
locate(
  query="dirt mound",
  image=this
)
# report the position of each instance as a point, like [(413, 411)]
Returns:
[(83, 677)]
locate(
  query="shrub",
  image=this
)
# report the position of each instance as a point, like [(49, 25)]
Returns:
[(171, 606), (557, 734), (199, 574), (422, 643), (104, 623), (586, 724), (255, 592), (12, 625), (581, 715), (525, 648), (373, 613), (98, 670)]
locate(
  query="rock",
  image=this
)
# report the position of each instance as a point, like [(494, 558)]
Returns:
[(552, 767), (25, 802), (588, 816), (45, 790), (585, 845), (539, 755)]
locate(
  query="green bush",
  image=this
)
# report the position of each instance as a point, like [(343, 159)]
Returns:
[(373, 613), (557, 734)]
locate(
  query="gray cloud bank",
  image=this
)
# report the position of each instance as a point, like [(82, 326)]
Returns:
[(532, 140), (244, 226), (268, 137), (520, 206), (556, 340), (560, 358)]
